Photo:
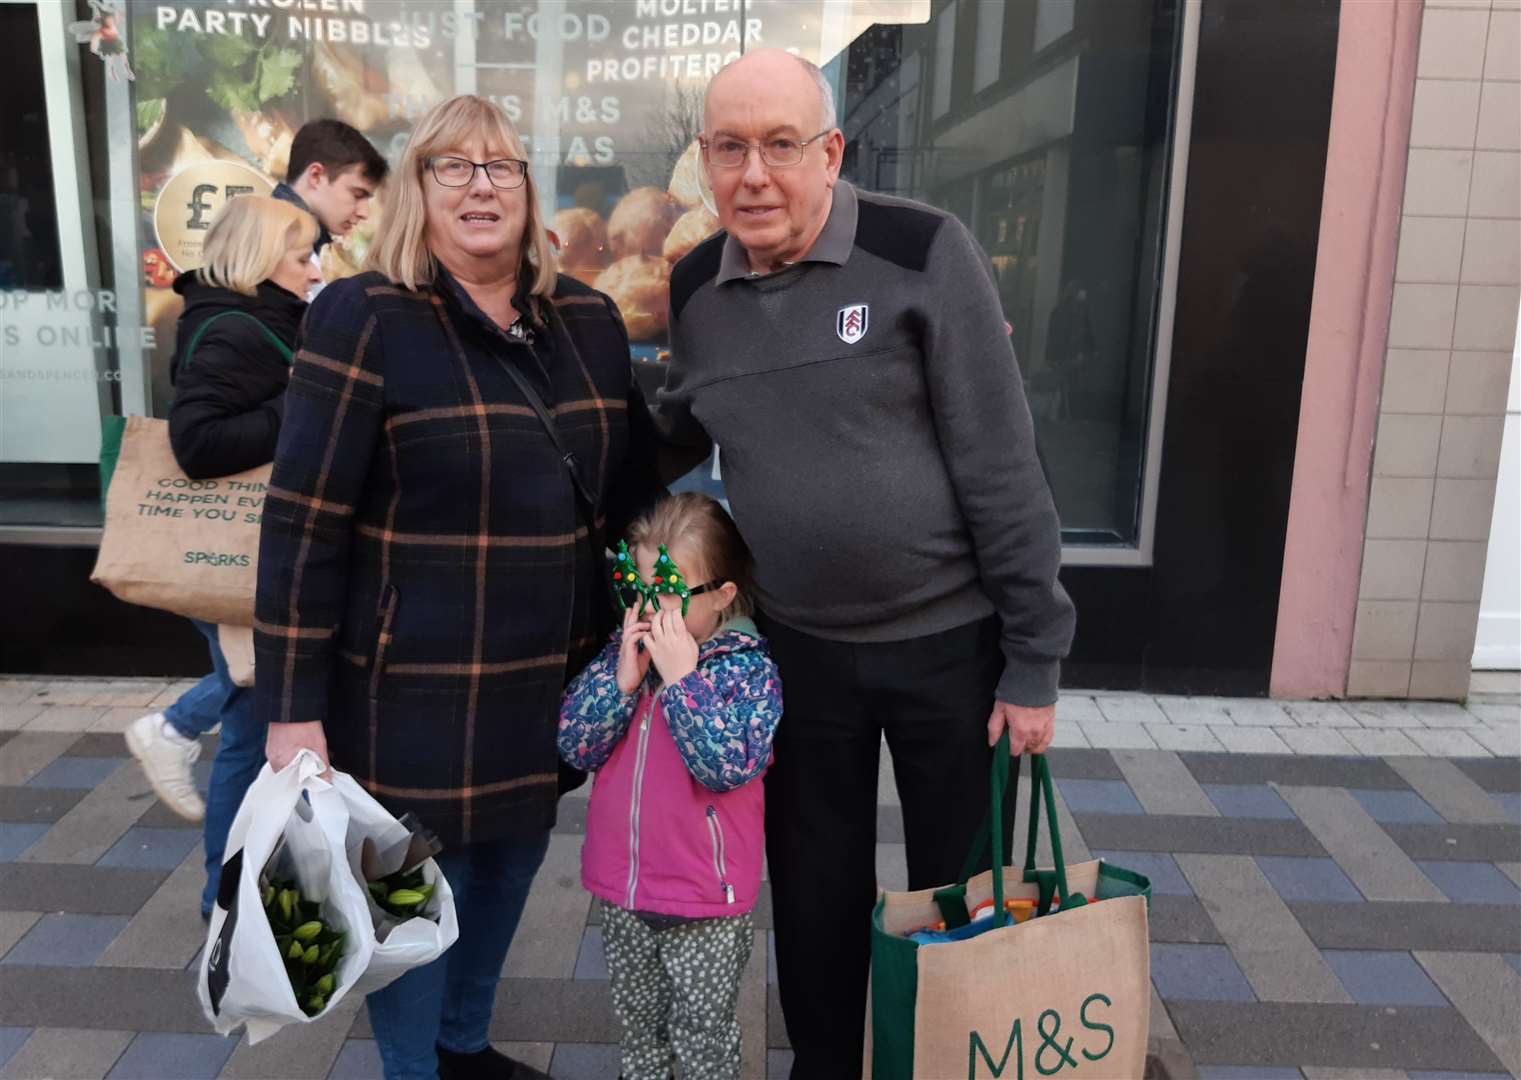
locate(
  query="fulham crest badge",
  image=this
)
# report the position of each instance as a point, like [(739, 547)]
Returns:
[(850, 323)]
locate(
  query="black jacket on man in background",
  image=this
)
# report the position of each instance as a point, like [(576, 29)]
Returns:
[(229, 398)]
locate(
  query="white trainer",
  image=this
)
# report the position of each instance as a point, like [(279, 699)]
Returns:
[(166, 757)]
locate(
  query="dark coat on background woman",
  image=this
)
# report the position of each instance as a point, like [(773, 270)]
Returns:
[(427, 579), (228, 398)]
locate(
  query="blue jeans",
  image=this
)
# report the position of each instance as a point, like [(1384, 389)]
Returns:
[(240, 751), (448, 1002)]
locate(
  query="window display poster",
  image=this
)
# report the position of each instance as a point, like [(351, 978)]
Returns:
[(607, 95)]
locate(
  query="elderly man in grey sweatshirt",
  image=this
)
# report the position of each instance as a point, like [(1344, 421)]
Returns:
[(849, 354)]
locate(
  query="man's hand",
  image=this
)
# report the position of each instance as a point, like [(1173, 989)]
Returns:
[(285, 741), (1029, 729), (671, 646), (633, 661)]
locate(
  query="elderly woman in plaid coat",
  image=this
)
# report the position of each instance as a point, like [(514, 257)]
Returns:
[(431, 562)]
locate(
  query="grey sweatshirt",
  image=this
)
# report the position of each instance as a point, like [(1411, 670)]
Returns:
[(879, 462)]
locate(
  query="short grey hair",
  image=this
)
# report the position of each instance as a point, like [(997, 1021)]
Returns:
[(827, 117), (828, 120)]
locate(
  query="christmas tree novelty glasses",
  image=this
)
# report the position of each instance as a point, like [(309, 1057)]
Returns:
[(632, 591)]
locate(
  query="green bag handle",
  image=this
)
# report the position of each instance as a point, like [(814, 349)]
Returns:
[(200, 331), (1052, 883), (113, 428)]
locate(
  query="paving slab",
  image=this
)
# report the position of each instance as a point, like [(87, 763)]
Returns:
[(1196, 737), (1138, 709), (165, 933), (67, 1054), (549, 935), (1373, 861), (1195, 710), (1487, 991), (752, 1010), (1063, 737), (1249, 740), (298, 1051), (1493, 774), (83, 890), (15, 691), (1473, 883), (14, 926), (66, 940), (66, 718), (1410, 925), (1396, 807), (1316, 740), (1181, 920), (1197, 973), (1077, 764), (1297, 879), (1248, 801), (1109, 736), (1463, 843), (98, 820), (29, 752), (1205, 835), (1298, 770), (1383, 977), (1321, 1072), (160, 1055), (1320, 714), (1163, 784), (1450, 791), (1382, 742), (1501, 741), (16, 717), (1511, 870), (134, 693), (1271, 948), (1071, 708), (1447, 743), (1159, 867), (1349, 1036), (1257, 712)]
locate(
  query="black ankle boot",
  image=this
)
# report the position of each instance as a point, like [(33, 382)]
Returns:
[(486, 1064)]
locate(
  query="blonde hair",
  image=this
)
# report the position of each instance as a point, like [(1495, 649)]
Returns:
[(401, 250), (249, 237), (705, 532)]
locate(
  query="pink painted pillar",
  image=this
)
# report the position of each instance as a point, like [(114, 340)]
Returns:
[(1344, 363)]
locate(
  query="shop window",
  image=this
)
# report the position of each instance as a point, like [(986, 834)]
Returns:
[(1044, 125)]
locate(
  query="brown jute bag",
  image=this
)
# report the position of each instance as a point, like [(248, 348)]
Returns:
[(1055, 982), (186, 546)]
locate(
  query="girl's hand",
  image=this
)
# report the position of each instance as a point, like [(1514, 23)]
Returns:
[(633, 662), (671, 645)]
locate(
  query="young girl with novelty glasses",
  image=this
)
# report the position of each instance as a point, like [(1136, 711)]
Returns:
[(677, 717)]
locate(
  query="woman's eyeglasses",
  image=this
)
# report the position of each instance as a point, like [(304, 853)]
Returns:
[(633, 592), (456, 172)]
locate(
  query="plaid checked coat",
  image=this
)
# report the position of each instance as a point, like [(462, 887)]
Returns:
[(427, 583)]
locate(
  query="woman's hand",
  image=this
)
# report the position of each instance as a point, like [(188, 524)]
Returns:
[(671, 646), (633, 662), (285, 741)]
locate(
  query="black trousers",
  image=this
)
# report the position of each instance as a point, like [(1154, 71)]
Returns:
[(931, 696)]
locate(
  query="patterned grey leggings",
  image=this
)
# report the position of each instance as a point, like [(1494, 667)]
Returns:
[(676, 992)]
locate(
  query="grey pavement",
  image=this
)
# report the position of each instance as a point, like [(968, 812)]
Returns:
[(1337, 895)]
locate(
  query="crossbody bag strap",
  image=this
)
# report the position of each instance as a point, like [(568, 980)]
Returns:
[(568, 456)]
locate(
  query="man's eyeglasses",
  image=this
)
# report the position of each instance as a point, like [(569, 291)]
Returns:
[(632, 591), (455, 172), (780, 152)]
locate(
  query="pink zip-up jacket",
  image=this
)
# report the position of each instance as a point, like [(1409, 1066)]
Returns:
[(676, 824)]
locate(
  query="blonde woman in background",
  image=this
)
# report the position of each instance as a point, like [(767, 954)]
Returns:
[(231, 363)]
